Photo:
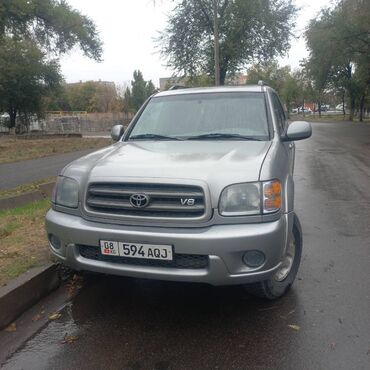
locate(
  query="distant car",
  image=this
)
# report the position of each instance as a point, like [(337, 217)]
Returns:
[(324, 108), (299, 110), (4, 123), (340, 106), (304, 109)]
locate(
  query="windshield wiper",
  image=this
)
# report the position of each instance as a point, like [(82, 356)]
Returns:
[(152, 136), (219, 135)]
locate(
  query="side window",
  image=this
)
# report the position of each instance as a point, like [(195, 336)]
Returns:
[(279, 113)]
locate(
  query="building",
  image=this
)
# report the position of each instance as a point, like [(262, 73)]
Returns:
[(166, 82), (99, 82)]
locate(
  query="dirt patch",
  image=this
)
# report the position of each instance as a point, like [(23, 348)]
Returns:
[(23, 242), (14, 150)]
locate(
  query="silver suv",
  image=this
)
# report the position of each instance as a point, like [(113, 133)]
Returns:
[(199, 188)]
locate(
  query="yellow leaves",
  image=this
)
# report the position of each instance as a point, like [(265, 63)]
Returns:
[(74, 284), (68, 339), (11, 328), (37, 317), (294, 327), (55, 316)]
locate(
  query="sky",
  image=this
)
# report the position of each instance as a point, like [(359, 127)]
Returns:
[(128, 28)]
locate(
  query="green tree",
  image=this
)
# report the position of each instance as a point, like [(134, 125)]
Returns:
[(362, 77), (150, 88), (53, 24), (31, 33), (24, 84), (80, 95), (305, 91), (90, 96), (140, 91), (279, 78), (247, 31), (317, 69), (339, 44), (290, 92), (271, 73), (127, 100), (57, 99), (106, 97)]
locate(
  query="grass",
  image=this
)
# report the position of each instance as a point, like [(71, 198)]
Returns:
[(26, 188), (23, 242), (14, 150)]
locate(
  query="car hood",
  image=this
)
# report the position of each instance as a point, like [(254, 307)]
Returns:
[(217, 163)]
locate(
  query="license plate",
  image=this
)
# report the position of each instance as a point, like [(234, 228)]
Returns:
[(136, 250)]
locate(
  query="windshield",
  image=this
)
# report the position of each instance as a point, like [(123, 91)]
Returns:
[(206, 116)]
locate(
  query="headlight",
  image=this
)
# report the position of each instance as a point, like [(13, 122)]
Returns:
[(246, 199), (66, 192), (241, 200)]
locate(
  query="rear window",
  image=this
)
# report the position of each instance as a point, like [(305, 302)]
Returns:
[(203, 113)]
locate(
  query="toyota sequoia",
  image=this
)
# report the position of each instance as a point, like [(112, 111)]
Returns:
[(199, 188)]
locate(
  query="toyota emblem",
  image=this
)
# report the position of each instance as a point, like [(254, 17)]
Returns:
[(139, 200)]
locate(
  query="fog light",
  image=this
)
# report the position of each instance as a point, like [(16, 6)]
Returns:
[(253, 258), (54, 241)]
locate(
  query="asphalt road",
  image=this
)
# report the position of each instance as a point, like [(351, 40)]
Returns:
[(25, 172), (135, 324)]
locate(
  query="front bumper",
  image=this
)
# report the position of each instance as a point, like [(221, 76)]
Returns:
[(224, 244)]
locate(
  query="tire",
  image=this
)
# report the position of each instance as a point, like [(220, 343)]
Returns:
[(276, 287)]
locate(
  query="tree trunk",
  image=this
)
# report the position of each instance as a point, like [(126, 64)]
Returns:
[(319, 104), (352, 106), (216, 43), (288, 108), (343, 109), (12, 116), (362, 103), (222, 76)]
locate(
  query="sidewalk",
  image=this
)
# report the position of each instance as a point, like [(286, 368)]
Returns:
[(25, 172)]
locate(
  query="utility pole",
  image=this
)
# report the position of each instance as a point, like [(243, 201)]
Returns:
[(216, 43)]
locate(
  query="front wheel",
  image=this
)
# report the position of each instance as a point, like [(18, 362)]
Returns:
[(279, 284)]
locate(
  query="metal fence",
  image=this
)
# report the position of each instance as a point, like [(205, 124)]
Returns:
[(75, 122), (88, 122)]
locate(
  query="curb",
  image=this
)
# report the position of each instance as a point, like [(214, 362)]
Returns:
[(24, 291), (43, 191)]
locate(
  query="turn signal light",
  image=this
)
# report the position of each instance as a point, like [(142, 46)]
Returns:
[(271, 196)]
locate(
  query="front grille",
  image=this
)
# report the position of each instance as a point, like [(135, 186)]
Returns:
[(164, 200), (180, 261)]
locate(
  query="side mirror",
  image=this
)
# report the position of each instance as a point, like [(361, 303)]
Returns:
[(117, 132), (298, 130)]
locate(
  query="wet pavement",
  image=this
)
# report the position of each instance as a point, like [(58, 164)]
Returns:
[(322, 323)]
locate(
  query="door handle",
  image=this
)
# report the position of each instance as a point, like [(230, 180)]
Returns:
[(291, 145)]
